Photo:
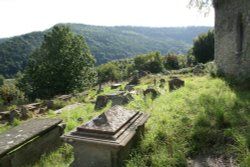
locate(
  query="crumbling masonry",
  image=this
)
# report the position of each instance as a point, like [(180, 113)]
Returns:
[(232, 37)]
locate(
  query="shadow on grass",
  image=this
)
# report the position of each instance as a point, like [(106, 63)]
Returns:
[(224, 126)]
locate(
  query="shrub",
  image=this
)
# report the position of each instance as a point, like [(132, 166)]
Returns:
[(10, 94), (171, 61)]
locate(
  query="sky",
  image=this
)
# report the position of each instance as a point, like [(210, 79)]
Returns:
[(23, 16)]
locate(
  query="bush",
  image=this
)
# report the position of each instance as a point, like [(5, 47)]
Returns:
[(108, 72), (151, 62), (171, 61), (10, 94), (203, 47)]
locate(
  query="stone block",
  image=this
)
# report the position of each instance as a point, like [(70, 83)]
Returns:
[(106, 140), (64, 97), (151, 91), (101, 102), (129, 87), (115, 86), (175, 83), (24, 144)]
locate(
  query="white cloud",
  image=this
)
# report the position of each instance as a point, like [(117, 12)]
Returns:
[(23, 16)]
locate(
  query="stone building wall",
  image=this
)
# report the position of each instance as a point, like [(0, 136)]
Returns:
[(232, 37)]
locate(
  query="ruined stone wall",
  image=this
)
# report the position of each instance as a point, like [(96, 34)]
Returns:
[(232, 37)]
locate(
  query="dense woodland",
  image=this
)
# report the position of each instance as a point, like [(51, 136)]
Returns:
[(105, 43)]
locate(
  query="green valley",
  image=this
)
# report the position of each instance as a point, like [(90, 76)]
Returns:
[(105, 43)]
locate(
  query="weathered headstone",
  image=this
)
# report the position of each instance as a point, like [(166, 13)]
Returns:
[(64, 97), (154, 93), (49, 104), (4, 115), (129, 87), (9, 116), (162, 83), (135, 81), (106, 140), (24, 112), (199, 69), (142, 73), (100, 89), (101, 102), (121, 99), (162, 80), (175, 83), (32, 106), (154, 82)]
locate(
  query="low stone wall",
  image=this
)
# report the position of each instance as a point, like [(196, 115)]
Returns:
[(24, 144)]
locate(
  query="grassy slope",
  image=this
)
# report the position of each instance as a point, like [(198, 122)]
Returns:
[(205, 116)]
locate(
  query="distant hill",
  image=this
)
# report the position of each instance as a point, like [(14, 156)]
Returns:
[(3, 40), (106, 43)]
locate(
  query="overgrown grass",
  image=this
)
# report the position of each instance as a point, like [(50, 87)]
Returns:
[(204, 117), (207, 116)]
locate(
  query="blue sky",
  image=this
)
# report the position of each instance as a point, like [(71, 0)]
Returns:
[(24, 16)]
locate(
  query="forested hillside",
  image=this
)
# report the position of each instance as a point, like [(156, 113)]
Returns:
[(105, 43), (3, 40)]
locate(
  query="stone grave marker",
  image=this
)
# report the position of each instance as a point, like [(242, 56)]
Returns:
[(24, 144), (151, 91), (135, 81), (100, 89), (175, 83), (199, 69), (120, 98), (162, 83), (64, 97), (115, 86), (106, 140), (129, 87), (101, 102)]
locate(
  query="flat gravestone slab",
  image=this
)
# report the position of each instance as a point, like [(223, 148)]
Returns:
[(116, 94), (21, 134), (115, 86), (109, 122)]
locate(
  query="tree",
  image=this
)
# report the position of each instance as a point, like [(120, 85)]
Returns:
[(10, 93), (61, 65), (151, 62), (108, 72), (202, 5), (1, 80), (203, 47), (171, 61)]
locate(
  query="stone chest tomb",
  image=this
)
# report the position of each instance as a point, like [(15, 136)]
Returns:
[(107, 139), (24, 144)]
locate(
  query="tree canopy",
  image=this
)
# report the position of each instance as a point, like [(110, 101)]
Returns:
[(151, 62), (202, 5), (62, 64), (203, 47)]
